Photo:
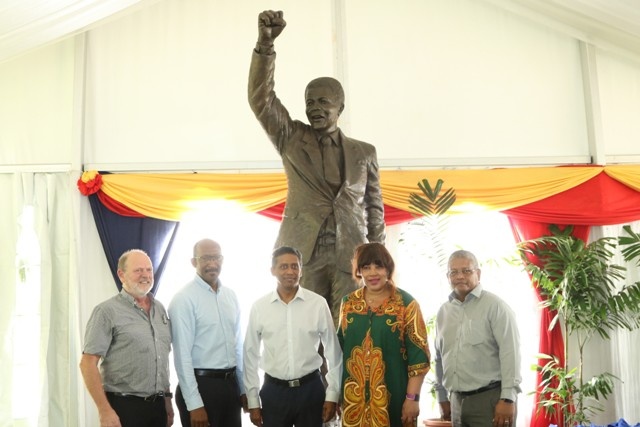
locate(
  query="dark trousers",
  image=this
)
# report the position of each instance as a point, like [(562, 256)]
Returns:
[(284, 406), (136, 412), (221, 400)]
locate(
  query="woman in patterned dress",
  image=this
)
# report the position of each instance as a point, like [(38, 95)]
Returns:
[(384, 343)]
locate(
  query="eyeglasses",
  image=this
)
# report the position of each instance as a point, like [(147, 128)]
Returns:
[(210, 258), (464, 271)]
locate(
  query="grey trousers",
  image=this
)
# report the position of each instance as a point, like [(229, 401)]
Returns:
[(475, 410)]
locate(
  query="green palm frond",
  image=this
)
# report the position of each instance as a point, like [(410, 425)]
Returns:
[(632, 243), (432, 205), (579, 284)]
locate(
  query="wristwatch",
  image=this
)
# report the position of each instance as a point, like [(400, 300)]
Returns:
[(414, 397)]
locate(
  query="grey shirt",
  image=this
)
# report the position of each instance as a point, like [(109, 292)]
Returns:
[(134, 347), (477, 343)]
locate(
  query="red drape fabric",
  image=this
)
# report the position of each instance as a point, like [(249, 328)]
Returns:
[(599, 201), (392, 216), (115, 206)]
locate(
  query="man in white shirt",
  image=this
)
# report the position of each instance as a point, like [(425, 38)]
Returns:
[(291, 322)]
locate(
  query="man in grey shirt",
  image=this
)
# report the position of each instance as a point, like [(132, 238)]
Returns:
[(477, 348), (130, 334)]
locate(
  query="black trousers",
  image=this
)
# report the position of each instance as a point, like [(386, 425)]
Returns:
[(284, 406), (136, 412), (221, 400)]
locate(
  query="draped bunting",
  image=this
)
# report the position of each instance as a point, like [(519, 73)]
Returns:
[(533, 198), (392, 216), (169, 196)]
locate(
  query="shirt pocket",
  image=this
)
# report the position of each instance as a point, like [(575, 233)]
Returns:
[(477, 333)]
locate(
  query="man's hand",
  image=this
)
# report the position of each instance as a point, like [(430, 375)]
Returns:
[(504, 414), (255, 415), (445, 410), (244, 403), (109, 418), (169, 407), (270, 25), (199, 417), (328, 411)]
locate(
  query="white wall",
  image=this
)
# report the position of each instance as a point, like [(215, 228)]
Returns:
[(455, 82), (37, 106)]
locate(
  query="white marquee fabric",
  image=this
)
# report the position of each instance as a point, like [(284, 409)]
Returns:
[(431, 83)]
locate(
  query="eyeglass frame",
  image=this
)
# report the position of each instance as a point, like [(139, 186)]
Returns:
[(465, 272), (209, 258)]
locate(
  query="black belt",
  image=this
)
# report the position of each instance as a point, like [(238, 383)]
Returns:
[(151, 398), (223, 374), (491, 386), (291, 383)]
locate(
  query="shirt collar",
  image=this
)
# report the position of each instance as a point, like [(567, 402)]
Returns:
[(128, 297), (475, 293), (205, 285), (300, 294)]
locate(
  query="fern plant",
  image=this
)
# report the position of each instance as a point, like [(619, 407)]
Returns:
[(580, 284)]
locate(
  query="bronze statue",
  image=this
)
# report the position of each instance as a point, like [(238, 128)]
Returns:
[(334, 201)]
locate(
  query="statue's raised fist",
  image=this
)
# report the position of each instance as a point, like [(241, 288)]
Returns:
[(270, 25)]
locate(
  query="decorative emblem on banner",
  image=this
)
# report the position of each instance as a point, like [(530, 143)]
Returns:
[(90, 182)]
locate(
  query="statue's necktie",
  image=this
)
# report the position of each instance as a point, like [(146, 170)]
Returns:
[(331, 163)]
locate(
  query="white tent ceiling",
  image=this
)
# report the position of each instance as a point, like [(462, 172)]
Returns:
[(28, 24)]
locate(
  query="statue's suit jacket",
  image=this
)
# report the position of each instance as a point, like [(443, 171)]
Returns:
[(357, 207)]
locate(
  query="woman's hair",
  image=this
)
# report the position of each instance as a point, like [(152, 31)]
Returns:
[(372, 253)]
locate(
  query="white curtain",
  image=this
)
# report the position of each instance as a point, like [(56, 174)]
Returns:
[(40, 204), (619, 355)]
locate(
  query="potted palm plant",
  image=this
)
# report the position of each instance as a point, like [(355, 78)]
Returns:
[(580, 284)]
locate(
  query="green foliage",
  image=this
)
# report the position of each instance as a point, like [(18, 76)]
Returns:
[(585, 290), (432, 206), (632, 243), (562, 392)]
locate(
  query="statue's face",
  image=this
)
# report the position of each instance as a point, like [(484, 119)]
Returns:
[(323, 108)]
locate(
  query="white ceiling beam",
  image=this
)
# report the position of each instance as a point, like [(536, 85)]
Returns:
[(593, 109)]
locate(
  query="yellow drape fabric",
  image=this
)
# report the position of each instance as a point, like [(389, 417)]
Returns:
[(169, 196)]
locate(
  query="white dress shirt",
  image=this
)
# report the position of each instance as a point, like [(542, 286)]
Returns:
[(290, 335)]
